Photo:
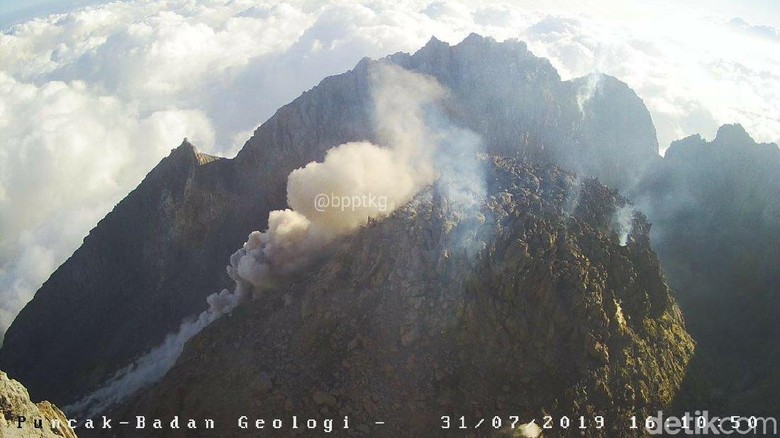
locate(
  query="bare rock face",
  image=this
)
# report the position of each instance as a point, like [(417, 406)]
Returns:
[(41, 420), (716, 212), (152, 261), (523, 304), (135, 276), (595, 125)]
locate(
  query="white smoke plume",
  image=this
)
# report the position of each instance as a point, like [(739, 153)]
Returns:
[(461, 177), (623, 221), (357, 172), (588, 90), (405, 103), (153, 366), (529, 430), (573, 195)]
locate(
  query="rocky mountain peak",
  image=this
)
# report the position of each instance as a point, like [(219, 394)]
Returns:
[(715, 206), (164, 216), (522, 304), (732, 142), (433, 44), (152, 261), (733, 134), (514, 47), (187, 155)]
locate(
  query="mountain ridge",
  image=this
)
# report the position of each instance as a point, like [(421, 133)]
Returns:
[(524, 305), (132, 306), (716, 212)]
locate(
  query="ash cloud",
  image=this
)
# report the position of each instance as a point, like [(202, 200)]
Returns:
[(414, 137), (297, 236)]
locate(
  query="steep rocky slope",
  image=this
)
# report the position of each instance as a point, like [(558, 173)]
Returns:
[(716, 212), (524, 304), (152, 261), (134, 276), (595, 125), (15, 403), (515, 101)]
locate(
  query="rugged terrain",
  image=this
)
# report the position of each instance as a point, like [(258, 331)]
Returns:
[(522, 304), (152, 261), (15, 403), (715, 206)]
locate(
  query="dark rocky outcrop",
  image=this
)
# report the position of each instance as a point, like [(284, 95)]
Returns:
[(515, 306), (595, 125), (152, 261), (132, 279), (15, 404), (716, 212)]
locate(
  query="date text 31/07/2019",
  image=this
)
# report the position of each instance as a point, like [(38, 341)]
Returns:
[(514, 422)]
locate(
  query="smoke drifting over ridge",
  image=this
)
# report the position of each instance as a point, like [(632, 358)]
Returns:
[(588, 90), (420, 146)]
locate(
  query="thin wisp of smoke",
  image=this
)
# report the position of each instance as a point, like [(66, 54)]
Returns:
[(152, 366), (623, 220), (588, 89)]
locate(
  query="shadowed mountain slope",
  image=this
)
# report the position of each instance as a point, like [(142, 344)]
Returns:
[(152, 261)]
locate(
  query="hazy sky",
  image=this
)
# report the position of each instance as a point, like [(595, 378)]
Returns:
[(15, 11), (95, 94)]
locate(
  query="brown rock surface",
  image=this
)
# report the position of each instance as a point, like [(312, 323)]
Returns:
[(152, 261), (15, 403), (513, 307)]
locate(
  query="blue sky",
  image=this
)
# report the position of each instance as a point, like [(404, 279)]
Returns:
[(758, 11), (14, 11)]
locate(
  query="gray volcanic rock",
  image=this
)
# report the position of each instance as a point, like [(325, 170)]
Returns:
[(511, 307), (15, 403), (152, 261), (132, 280), (716, 212), (517, 102), (618, 142)]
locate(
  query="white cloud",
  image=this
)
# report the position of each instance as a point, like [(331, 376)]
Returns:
[(90, 100), (68, 154)]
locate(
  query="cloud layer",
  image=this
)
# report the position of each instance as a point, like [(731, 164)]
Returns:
[(90, 100)]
